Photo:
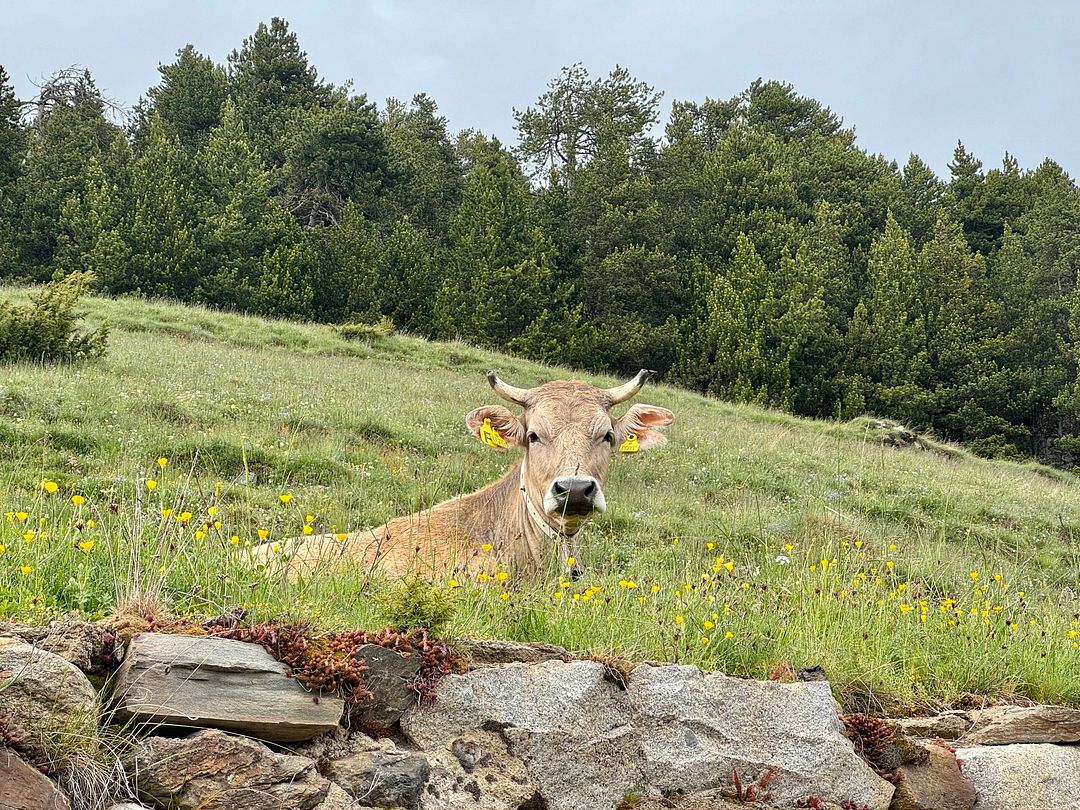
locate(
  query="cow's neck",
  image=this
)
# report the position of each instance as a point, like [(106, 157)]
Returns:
[(565, 542), (499, 514)]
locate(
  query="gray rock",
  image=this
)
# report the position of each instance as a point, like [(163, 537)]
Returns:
[(212, 770), (207, 682), (92, 647), (387, 678), (336, 799), (382, 778), (696, 728), (25, 788), (586, 742), (45, 701), (1023, 777), (476, 771), (1006, 725), (339, 743), (567, 722)]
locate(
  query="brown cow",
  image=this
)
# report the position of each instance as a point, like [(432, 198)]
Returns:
[(537, 509)]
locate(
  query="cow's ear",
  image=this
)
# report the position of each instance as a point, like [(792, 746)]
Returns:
[(641, 423), (494, 425)]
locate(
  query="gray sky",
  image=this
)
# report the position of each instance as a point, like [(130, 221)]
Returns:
[(909, 75)]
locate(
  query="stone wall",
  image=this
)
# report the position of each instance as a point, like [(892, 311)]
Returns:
[(212, 723)]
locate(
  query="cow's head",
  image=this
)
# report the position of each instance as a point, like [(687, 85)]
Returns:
[(569, 435)]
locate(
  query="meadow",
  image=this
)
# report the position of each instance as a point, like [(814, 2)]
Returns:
[(753, 541)]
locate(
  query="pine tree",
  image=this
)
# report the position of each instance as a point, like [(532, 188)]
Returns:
[(69, 130), (348, 284), (334, 155), (271, 81), (499, 263), (429, 171), (920, 199), (163, 234), (285, 289), (887, 336), (12, 150), (408, 277), (188, 99), (12, 137), (240, 223), (92, 224)]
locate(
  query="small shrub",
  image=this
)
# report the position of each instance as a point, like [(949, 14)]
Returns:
[(415, 603), (45, 329), (367, 332)]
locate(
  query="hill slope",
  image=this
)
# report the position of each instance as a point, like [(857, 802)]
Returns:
[(751, 539)]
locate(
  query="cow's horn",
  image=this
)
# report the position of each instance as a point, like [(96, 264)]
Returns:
[(623, 392), (519, 396)]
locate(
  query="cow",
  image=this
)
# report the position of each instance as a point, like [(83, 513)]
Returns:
[(535, 511)]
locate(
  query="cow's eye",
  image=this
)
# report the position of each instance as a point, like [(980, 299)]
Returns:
[(533, 438), (609, 437)]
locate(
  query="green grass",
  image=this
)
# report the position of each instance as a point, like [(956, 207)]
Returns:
[(246, 410)]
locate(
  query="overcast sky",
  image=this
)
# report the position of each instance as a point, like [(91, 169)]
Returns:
[(909, 75)]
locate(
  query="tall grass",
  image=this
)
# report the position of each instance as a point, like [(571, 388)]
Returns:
[(912, 576)]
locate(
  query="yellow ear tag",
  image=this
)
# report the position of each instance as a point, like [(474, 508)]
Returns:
[(630, 445), (490, 436)]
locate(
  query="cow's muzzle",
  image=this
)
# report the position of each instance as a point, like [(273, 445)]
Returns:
[(574, 496)]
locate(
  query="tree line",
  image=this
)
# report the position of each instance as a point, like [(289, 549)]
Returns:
[(752, 251)]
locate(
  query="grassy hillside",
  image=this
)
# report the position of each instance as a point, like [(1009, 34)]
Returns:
[(751, 539)]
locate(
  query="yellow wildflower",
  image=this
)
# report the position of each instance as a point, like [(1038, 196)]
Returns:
[(308, 530), (162, 461), (485, 547), (285, 497), (263, 533), (26, 569), (28, 536), (86, 546), (151, 484), (50, 486), (78, 500)]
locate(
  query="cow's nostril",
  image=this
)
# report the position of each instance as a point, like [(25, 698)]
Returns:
[(589, 489), (560, 486)]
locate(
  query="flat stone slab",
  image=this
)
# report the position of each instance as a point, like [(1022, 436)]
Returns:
[(206, 682), (950, 725), (1008, 725)]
